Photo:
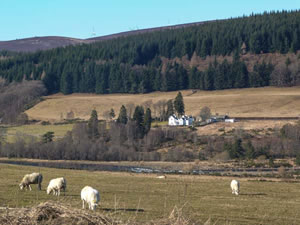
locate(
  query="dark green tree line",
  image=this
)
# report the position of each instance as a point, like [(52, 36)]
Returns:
[(133, 64)]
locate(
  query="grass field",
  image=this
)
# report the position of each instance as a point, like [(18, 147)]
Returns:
[(254, 127), (36, 130), (142, 197), (268, 101)]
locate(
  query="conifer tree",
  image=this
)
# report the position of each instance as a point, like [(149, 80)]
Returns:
[(297, 161), (209, 78), (66, 82), (170, 108), (179, 104), (147, 120), (249, 150), (93, 125), (123, 115), (112, 113), (48, 137), (238, 148), (138, 117)]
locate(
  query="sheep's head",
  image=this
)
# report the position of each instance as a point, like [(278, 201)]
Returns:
[(49, 190), (94, 204), (21, 185)]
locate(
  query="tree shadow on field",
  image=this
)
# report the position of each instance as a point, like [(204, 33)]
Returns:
[(123, 209), (253, 194)]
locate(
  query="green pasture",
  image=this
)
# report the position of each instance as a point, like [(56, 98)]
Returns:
[(12, 133), (143, 197)]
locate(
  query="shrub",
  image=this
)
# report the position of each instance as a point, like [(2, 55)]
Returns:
[(222, 156), (44, 123), (281, 171), (297, 161), (271, 162), (22, 119), (192, 128), (222, 129)]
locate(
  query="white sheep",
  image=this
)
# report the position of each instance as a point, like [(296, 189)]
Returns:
[(235, 187), (55, 185), (90, 196), (161, 177), (34, 178)]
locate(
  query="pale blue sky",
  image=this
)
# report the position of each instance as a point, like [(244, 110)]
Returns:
[(79, 18)]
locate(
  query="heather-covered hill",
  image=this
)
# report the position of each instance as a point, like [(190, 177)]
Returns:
[(39, 43)]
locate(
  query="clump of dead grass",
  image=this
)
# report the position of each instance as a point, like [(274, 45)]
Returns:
[(53, 213), (176, 217)]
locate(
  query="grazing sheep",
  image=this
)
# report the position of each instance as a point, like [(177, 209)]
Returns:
[(55, 185), (34, 178), (90, 196), (235, 187), (161, 177)]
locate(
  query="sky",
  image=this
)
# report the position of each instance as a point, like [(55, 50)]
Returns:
[(89, 18)]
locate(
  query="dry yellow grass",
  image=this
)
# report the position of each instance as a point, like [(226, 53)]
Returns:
[(246, 125), (268, 101)]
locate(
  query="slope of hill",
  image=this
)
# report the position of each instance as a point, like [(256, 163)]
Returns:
[(149, 30), (49, 42), (252, 102), (166, 59), (39, 43)]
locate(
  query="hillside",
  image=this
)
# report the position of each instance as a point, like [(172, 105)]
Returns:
[(251, 102), (255, 51), (39, 43), (49, 42)]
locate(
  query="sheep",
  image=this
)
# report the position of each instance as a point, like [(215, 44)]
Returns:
[(34, 178), (235, 187), (161, 177), (90, 196), (55, 185)]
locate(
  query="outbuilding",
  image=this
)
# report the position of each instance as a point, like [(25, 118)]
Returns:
[(230, 120)]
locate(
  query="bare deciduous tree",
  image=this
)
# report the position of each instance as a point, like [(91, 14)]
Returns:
[(205, 113), (106, 115), (161, 108), (17, 97), (147, 104), (130, 109)]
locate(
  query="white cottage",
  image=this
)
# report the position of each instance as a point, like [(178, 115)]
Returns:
[(183, 121), (173, 120)]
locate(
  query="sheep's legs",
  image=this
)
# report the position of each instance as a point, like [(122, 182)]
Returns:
[(83, 206), (29, 187)]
